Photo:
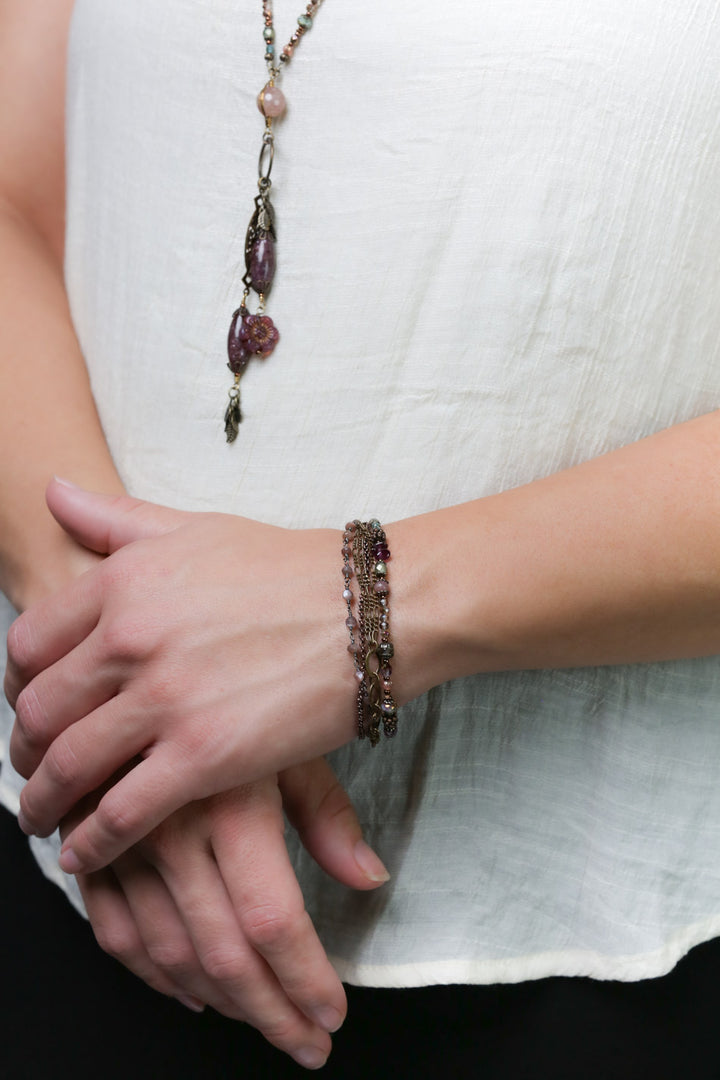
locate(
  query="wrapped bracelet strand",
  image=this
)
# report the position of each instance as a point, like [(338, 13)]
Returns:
[(365, 556)]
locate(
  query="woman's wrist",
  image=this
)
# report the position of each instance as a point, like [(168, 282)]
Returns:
[(28, 585)]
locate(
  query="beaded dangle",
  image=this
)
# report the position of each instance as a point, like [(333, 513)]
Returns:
[(255, 334)]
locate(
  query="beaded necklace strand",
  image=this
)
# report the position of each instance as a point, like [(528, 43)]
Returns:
[(255, 334)]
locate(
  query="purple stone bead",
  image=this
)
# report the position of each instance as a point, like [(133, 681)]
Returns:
[(381, 588), (238, 355), (381, 552), (262, 263)]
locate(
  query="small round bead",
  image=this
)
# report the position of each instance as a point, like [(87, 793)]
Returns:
[(381, 588), (350, 527), (347, 571), (304, 21), (359, 675), (381, 568), (385, 650), (269, 33), (347, 594), (375, 525), (346, 549), (351, 622), (269, 52), (287, 52)]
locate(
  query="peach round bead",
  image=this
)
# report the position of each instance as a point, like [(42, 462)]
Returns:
[(271, 101)]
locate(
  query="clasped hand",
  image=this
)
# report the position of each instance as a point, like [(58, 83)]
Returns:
[(207, 648)]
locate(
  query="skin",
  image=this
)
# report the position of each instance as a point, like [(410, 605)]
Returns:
[(150, 656), (253, 954), (615, 561)]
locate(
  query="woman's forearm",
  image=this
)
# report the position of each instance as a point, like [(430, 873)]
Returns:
[(48, 421), (616, 560)]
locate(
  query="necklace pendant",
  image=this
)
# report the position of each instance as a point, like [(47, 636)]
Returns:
[(260, 240), (271, 101), (233, 416)]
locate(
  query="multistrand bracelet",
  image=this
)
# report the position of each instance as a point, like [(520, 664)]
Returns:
[(365, 555)]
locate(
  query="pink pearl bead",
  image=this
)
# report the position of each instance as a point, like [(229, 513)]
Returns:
[(271, 101)]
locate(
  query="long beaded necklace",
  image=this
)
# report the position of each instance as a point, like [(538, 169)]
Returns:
[(255, 334)]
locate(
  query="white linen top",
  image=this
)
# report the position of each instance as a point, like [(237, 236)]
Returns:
[(498, 237)]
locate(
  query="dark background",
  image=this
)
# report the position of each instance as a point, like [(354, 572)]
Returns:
[(69, 1011)]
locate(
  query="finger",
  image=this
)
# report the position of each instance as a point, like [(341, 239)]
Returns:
[(161, 929), (319, 808), (49, 630), (70, 689), (79, 761), (105, 523), (233, 967), (147, 795), (117, 934), (251, 853)]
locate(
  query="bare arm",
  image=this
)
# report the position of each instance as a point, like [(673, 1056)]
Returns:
[(49, 424), (614, 561), (48, 420)]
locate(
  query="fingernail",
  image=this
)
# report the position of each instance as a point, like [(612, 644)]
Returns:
[(311, 1057), (328, 1018), (369, 863), (25, 824), (69, 862), (64, 482), (191, 1002)]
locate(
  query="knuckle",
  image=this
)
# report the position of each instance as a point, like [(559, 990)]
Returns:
[(176, 958), (116, 943), (282, 1031), (268, 926), (335, 805), (62, 763), (226, 964), (114, 820), (20, 643), (126, 638), (30, 718)]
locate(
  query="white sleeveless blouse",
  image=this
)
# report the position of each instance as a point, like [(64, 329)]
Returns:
[(498, 243)]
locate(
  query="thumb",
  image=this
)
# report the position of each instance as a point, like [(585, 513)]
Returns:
[(104, 523), (318, 806)]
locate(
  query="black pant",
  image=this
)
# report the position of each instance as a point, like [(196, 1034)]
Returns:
[(68, 1011)]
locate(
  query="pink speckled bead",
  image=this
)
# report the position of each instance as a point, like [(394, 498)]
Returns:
[(271, 101)]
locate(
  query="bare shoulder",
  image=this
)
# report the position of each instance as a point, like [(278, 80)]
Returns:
[(33, 54)]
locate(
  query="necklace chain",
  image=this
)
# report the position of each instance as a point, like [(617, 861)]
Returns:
[(255, 335), (304, 23)]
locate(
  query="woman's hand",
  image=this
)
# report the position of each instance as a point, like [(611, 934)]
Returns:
[(209, 646), (207, 907)]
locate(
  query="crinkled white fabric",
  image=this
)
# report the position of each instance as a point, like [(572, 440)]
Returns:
[(498, 236)]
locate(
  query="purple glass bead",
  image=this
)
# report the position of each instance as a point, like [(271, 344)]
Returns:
[(262, 263), (381, 552), (238, 354)]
